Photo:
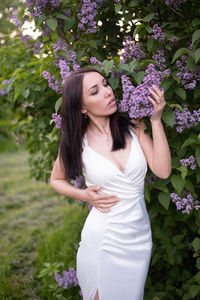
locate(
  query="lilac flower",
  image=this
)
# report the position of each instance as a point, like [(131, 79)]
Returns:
[(189, 162), (40, 5), (2, 90), (132, 50), (158, 34), (188, 79), (60, 45), (87, 15), (174, 40), (160, 59), (151, 179), (57, 119), (64, 69), (135, 99), (69, 279), (186, 204), (94, 60), (185, 119), (52, 81), (175, 3)]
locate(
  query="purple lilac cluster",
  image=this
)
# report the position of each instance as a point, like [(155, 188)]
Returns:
[(188, 79), (94, 61), (69, 279), (40, 5), (135, 99), (87, 15), (62, 62), (186, 119), (186, 204), (52, 81), (14, 17), (174, 39), (131, 51), (57, 119), (160, 59), (174, 3), (158, 34), (2, 90), (189, 162), (151, 179)]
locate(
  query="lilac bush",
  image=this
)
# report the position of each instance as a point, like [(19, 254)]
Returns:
[(131, 51), (68, 279), (189, 162), (186, 119), (186, 204)]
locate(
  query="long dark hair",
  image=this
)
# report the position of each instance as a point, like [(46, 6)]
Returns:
[(74, 125)]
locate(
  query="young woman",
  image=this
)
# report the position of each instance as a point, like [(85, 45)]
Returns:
[(112, 153)]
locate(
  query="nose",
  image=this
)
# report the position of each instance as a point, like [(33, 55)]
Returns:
[(107, 91)]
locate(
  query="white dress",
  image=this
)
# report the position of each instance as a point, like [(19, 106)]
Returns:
[(115, 248)]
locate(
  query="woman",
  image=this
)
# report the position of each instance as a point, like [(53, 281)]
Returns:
[(112, 152)]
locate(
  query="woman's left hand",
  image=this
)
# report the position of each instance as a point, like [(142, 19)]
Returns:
[(158, 102)]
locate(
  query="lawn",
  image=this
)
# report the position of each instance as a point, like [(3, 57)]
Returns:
[(31, 216)]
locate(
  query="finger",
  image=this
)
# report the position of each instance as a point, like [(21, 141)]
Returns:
[(154, 95), (105, 196), (157, 90), (152, 100), (95, 188), (107, 202)]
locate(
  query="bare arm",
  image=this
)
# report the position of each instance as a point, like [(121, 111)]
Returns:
[(157, 151), (59, 183)]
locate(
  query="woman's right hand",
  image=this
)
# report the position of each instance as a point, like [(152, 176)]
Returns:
[(102, 202)]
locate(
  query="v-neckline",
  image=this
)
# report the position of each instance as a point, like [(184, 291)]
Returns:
[(108, 160)]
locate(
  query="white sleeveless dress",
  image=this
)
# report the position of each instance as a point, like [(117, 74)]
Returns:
[(115, 248)]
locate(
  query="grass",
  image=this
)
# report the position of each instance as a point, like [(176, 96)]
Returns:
[(31, 215)]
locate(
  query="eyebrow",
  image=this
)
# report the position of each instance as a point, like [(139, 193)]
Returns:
[(96, 84)]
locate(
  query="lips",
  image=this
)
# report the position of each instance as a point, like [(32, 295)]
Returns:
[(112, 101)]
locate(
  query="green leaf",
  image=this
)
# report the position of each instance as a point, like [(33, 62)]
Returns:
[(118, 8), (164, 199), (114, 82), (132, 65), (179, 53), (52, 23), (138, 29), (93, 44), (25, 93), (177, 106), (155, 258), (195, 22), (165, 84), (197, 173), (168, 117), (150, 43), (178, 183), (194, 290), (195, 36), (189, 141), (124, 67), (149, 17), (190, 62), (183, 170), (139, 76), (107, 65), (178, 238), (197, 155), (133, 3), (181, 93), (58, 104), (196, 55)]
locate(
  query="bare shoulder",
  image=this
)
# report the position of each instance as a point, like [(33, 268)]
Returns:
[(140, 128)]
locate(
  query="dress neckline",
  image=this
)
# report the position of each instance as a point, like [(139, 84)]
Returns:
[(108, 160)]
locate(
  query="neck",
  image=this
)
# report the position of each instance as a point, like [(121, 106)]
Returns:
[(100, 125)]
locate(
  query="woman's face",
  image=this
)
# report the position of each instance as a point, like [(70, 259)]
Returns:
[(98, 97)]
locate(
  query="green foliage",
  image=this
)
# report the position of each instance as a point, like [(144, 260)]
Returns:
[(175, 264)]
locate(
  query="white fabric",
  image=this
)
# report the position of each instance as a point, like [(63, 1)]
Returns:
[(115, 248)]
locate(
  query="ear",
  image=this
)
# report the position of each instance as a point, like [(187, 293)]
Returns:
[(83, 110)]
